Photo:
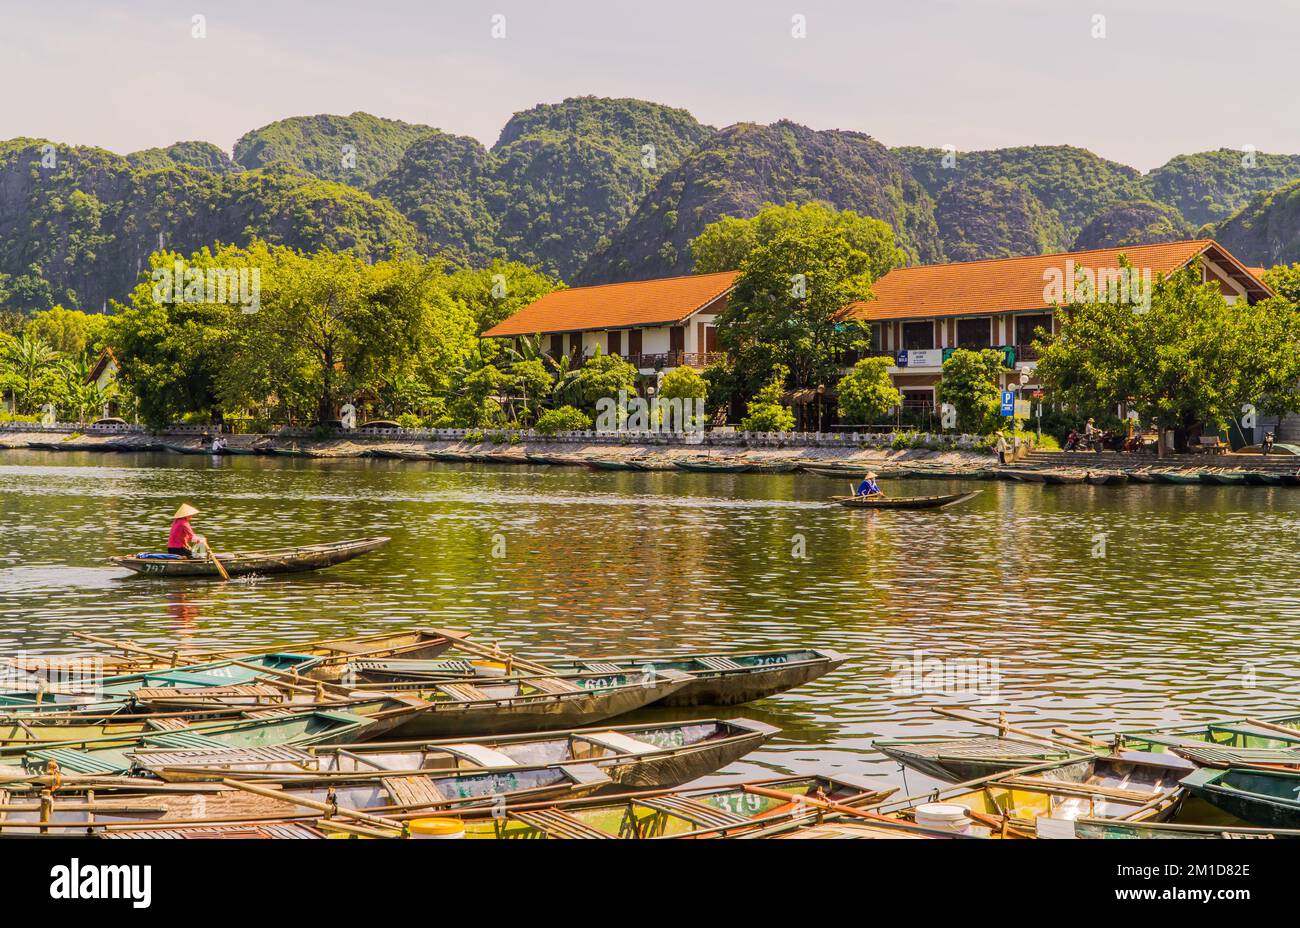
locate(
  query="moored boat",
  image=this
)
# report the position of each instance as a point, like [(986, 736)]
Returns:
[(646, 756), (712, 812), (1223, 478), (712, 466), (722, 678), (610, 464), (274, 561), (1107, 479), (1265, 798), (531, 703), (957, 760)]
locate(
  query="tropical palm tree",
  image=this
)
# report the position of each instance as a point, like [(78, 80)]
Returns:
[(29, 359)]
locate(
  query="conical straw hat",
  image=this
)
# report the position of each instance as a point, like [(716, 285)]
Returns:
[(185, 511), (871, 475)]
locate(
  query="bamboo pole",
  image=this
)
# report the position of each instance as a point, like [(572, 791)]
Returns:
[(313, 804), (1001, 725)]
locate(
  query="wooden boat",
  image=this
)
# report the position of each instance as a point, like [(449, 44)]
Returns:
[(454, 457), (329, 655), (1059, 477), (400, 454), (719, 811), (719, 678), (374, 796), (1271, 732), (839, 470), (960, 759), (1044, 801), (904, 502), (646, 756), (1141, 475), (1085, 827), (611, 464), (712, 467), (531, 703), (773, 467), (1176, 476), (1104, 480), (1223, 478), (277, 561), (554, 460), (1025, 476), (104, 749), (1266, 798), (1258, 478)]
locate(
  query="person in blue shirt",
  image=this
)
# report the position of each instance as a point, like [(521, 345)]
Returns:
[(868, 486)]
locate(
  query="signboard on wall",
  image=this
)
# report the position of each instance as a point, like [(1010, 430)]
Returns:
[(925, 357)]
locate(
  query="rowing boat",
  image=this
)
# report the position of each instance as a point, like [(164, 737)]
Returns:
[(539, 703), (838, 470), (610, 464), (646, 756), (1063, 477), (282, 560), (1222, 478), (719, 811), (376, 795), (713, 467), (772, 467), (103, 749), (720, 678), (1102, 480), (1266, 798), (1044, 800), (960, 759), (904, 502), (1085, 827)]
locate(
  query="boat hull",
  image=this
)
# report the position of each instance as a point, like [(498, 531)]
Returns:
[(287, 560), (765, 674), (905, 502)]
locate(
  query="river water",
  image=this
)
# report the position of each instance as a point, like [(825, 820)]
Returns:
[(1074, 605)]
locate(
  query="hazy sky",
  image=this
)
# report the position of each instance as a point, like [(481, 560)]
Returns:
[(1170, 76)]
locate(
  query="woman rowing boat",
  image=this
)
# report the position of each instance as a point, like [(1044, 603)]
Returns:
[(868, 486), (182, 540)]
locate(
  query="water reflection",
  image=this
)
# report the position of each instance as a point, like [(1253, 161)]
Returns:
[(1189, 612)]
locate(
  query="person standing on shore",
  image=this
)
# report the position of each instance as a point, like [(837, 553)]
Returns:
[(182, 540), (1001, 447)]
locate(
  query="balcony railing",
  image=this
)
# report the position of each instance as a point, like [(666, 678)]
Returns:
[(669, 359)]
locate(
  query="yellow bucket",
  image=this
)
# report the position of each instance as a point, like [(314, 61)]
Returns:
[(437, 828)]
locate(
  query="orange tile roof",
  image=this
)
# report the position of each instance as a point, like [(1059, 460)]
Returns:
[(612, 306), (1000, 285)]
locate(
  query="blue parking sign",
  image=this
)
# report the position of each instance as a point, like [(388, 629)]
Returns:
[(1008, 402)]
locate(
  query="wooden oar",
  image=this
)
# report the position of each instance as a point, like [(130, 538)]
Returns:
[(221, 568), (1002, 726)]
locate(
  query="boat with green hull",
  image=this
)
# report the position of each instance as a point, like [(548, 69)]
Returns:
[(1264, 798), (645, 756)]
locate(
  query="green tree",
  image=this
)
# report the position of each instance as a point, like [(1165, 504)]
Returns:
[(1285, 281), (765, 412), (972, 385), (70, 332), (724, 245), (494, 293), (603, 376), (563, 419), (867, 392), (1189, 360), (683, 383), (32, 372), (788, 304)]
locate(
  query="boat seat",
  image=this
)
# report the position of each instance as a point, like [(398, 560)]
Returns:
[(694, 811), (719, 663), (464, 692), (268, 713), (449, 667), (620, 743), (182, 740), (147, 694), (166, 724), (556, 686), (158, 759), (1245, 728), (559, 824), (413, 791), (483, 756), (601, 667), (70, 760)]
